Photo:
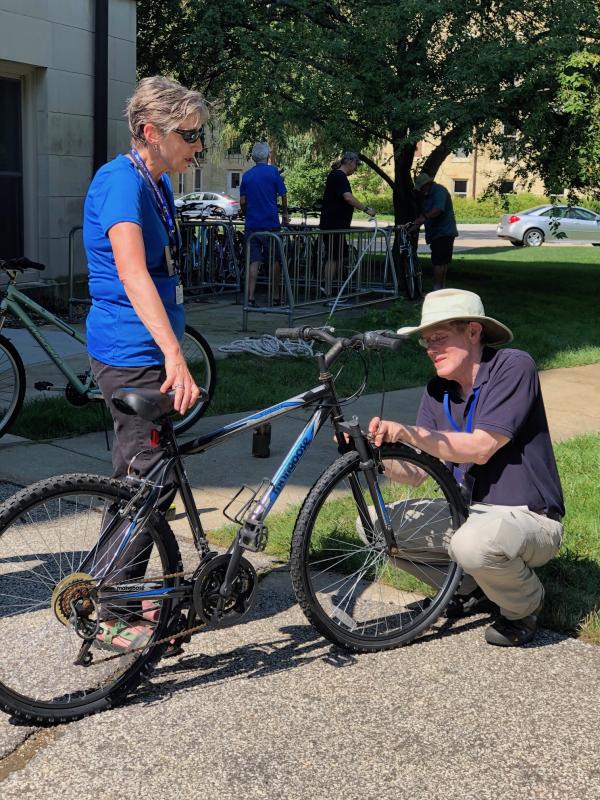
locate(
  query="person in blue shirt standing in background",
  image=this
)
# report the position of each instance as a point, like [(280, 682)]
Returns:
[(259, 190), (440, 225)]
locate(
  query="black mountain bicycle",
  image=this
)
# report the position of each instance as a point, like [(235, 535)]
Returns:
[(92, 589)]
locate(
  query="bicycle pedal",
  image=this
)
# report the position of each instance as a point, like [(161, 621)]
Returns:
[(43, 386)]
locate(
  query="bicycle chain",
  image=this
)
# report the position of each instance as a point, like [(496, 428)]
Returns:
[(166, 639)]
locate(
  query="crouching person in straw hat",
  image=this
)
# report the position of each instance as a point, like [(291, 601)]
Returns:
[(483, 415)]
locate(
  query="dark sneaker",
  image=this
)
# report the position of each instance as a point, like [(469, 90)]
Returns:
[(513, 632), (465, 605), (252, 304)]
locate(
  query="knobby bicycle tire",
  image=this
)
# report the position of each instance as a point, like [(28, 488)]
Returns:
[(201, 363), (45, 532), (12, 384), (348, 587), (413, 279)]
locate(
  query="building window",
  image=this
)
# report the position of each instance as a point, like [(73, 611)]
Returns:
[(234, 180), (507, 187), (235, 149), (11, 170), (460, 154), (181, 183), (459, 188), (197, 180)]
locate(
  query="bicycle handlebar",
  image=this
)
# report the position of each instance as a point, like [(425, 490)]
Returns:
[(371, 340)]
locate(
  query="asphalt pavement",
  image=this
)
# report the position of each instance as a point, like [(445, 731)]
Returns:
[(269, 709)]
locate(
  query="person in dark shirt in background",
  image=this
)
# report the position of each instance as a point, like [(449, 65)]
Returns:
[(483, 414), (337, 208), (437, 213)]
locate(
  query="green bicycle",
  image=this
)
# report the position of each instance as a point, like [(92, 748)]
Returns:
[(80, 389)]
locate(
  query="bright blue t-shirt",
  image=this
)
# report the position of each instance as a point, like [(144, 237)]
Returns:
[(115, 334), (260, 186)]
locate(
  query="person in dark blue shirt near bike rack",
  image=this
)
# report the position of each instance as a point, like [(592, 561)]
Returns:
[(259, 190), (437, 213), (137, 317), (484, 416)]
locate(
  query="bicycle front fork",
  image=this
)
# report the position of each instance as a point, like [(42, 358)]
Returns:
[(369, 467)]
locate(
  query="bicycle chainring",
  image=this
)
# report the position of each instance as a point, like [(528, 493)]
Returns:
[(206, 591), (73, 396)]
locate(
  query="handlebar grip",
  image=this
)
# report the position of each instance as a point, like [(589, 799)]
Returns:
[(290, 333), (383, 340)]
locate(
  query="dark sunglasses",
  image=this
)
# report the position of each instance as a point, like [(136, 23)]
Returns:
[(190, 135)]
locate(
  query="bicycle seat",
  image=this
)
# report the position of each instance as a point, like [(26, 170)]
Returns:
[(148, 404), (22, 263)]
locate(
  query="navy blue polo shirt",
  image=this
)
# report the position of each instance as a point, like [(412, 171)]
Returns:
[(523, 472)]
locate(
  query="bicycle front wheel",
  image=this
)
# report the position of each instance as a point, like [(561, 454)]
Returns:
[(413, 278), (49, 565), (201, 363), (351, 589), (12, 384)]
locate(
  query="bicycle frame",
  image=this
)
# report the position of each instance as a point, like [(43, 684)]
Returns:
[(252, 532), (13, 302)]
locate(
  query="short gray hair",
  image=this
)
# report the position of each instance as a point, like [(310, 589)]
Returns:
[(350, 155), (260, 152), (163, 102)]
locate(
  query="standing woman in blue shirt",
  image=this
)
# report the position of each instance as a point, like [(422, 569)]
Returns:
[(137, 317)]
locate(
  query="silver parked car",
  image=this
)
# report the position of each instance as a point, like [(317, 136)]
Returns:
[(207, 203), (534, 226)]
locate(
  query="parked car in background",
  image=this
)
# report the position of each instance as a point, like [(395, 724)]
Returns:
[(207, 203), (534, 226)]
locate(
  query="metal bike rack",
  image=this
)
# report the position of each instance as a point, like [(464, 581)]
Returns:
[(364, 271)]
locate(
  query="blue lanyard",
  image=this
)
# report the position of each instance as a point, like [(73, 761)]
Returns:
[(160, 199), (462, 478), (470, 415)]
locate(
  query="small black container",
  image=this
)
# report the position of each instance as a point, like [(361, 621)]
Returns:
[(261, 439)]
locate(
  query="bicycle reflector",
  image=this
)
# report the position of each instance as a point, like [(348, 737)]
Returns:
[(154, 437)]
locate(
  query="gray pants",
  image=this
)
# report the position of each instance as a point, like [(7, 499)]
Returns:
[(131, 451), (497, 547), (131, 448)]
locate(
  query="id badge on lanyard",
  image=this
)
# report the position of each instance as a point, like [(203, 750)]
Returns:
[(465, 481), (165, 214)]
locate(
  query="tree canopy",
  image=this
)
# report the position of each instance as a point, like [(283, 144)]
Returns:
[(382, 76)]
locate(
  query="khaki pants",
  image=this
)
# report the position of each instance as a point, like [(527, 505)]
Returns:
[(497, 547)]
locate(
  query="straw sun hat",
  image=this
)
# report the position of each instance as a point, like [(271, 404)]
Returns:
[(450, 305)]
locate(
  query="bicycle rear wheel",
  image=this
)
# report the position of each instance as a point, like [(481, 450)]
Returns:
[(49, 561), (201, 363), (12, 384), (348, 586)]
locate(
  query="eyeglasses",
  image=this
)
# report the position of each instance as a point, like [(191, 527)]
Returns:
[(435, 340), (190, 135)]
